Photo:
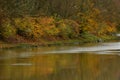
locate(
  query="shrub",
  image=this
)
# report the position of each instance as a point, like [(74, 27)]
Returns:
[(88, 37), (7, 30), (48, 26), (106, 28), (36, 28), (24, 27), (68, 29)]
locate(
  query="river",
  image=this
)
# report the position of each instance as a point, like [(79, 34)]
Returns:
[(99, 61)]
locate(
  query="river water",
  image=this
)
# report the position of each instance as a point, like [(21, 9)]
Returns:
[(99, 61)]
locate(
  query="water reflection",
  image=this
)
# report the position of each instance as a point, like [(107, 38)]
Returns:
[(86, 63), (61, 67)]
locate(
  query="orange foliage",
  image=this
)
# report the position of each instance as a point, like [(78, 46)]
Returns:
[(46, 21)]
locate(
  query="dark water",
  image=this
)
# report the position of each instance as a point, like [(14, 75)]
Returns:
[(87, 62)]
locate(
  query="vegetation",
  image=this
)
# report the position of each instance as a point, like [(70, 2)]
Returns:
[(46, 20)]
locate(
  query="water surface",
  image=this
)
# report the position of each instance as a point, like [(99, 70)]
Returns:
[(82, 62)]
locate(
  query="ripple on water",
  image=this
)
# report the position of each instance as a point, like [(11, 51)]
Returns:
[(22, 64)]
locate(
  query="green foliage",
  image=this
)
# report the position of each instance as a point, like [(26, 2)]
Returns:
[(65, 30), (87, 37), (7, 30), (68, 29)]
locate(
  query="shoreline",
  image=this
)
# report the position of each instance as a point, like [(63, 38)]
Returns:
[(69, 42)]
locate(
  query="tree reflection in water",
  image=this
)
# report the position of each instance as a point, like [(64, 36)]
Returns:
[(61, 67)]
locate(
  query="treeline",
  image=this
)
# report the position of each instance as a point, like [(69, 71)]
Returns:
[(66, 8), (57, 19)]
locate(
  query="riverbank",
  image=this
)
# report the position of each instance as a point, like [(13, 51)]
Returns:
[(47, 31), (80, 41)]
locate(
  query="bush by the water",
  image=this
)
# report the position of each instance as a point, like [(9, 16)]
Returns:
[(7, 30), (48, 28)]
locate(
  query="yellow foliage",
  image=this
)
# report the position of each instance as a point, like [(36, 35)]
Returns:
[(106, 28), (35, 28), (49, 28), (112, 27)]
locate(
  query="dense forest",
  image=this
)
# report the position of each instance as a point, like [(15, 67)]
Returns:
[(52, 20)]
